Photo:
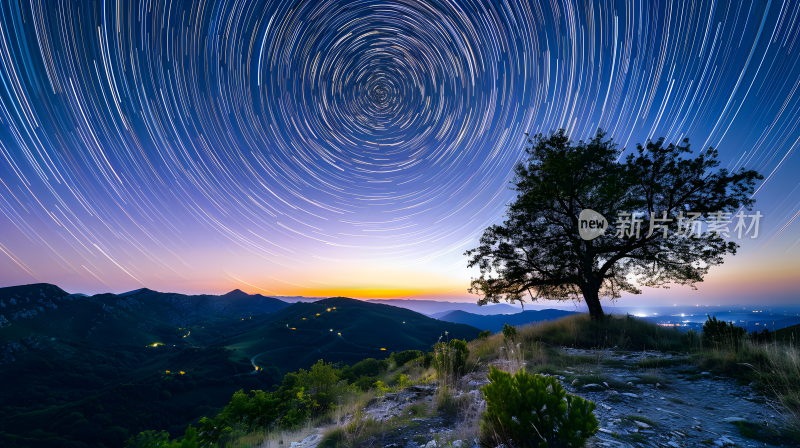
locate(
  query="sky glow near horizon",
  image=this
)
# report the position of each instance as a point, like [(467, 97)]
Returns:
[(359, 148)]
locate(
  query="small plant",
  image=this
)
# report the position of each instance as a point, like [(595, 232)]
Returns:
[(450, 357), (509, 332), (401, 380), (533, 411), (484, 334), (639, 418), (382, 388)]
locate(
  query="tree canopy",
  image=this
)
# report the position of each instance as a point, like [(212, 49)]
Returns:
[(657, 197)]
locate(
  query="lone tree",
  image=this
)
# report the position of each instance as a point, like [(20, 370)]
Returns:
[(657, 199)]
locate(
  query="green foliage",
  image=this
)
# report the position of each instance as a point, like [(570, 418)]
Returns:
[(257, 410), (366, 383), (764, 337), (537, 250), (427, 359), (290, 406), (369, 367), (382, 387), (720, 332), (509, 332), (401, 358), (153, 439), (527, 410), (450, 357), (147, 439), (321, 379), (691, 339), (484, 334), (400, 379)]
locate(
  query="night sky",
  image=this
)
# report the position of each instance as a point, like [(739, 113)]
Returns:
[(359, 148)]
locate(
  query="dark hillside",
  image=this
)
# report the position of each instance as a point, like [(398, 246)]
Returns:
[(342, 329)]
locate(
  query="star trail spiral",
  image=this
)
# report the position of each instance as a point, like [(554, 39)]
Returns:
[(317, 147)]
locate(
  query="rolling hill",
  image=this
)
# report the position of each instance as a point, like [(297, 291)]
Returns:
[(341, 330), (494, 323)]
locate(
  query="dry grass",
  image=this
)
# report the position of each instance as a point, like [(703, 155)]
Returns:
[(775, 366)]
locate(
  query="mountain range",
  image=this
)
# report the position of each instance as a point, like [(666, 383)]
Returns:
[(435, 308), (82, 370), (495, 323)]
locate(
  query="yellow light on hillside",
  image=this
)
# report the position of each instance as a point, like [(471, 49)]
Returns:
[(304, 318), (329, 309), (334, 307), (317, 314), (182, 372), (256, 367), (339, 334), (294, 328), (167, 372), (383, 349)]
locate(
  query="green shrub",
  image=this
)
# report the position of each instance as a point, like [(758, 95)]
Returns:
[(365, 382), (691, 339), (320, 378), (400, 379), (533, 411), (400, 358), (450, 357), (764, 337), (369, 367), (509, 332), (720, 332), (153, 439), (484, 334)]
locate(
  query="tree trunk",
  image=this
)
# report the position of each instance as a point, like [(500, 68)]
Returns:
[(591, 295)]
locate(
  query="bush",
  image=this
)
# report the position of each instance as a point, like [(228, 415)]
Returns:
[(484, 334), (369, 367), (450, 357), (365, 382), (401, 380), (152, 439), (509, 332), (534, 411), (321, 378), (427, 360), (400, 358), (722, 333), (764, 337), (691, 339)]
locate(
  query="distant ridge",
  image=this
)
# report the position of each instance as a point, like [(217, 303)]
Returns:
[(495, 323), (431, 307), (235, 294), (131, 292)]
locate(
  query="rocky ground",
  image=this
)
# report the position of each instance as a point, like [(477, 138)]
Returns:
[(673, 406)]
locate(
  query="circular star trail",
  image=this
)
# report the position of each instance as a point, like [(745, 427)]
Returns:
[(145, 143)]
